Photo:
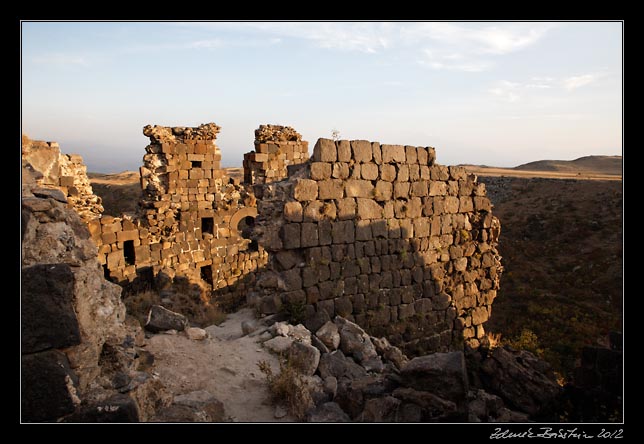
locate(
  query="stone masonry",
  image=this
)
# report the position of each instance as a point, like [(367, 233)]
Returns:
[(383, 236), (276, 148), (379, 234)]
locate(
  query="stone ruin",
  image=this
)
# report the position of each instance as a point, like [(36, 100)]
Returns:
[(379, 234)]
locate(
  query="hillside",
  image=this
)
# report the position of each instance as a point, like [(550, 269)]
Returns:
[(588, 164)]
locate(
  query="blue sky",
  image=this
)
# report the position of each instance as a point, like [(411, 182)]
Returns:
[(495, 93)]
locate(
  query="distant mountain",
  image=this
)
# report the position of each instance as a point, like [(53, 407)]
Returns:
[(590, 164)]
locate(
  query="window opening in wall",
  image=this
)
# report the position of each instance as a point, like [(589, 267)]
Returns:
[(207, 225), (206, 274), (196, 163), (128, 252), (106, 272), (245, 228)]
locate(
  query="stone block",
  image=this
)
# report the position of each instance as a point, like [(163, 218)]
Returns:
[(377, 153), (343, 232), (383, 191), (418, 189), (437, 188), (452, 204), (362, 152), (359, 188), (344, 150), (363, 230), (293, 211), (403, 173), (305, 190), (482, 203), (369, 209), (401, 190), (393, 154), (290, 235), (320, 170), (388, 172), (325, 151), (369, 171), (465, 204), (330, 189), (309, 236), (411, 154), (340, 170)]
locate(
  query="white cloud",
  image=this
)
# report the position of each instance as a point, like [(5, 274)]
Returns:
[(506, 91), (575, 82), (60, 59)]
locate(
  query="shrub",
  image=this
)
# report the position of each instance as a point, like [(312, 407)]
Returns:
[(289, 387)]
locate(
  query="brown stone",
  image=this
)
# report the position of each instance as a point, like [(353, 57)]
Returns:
[(320, 170), (465, 205), (451, 204), (403, 173), (340, 170), (369, 171), (344, 150), (401, 190), (309, 235), (359, 188), (419, 189), (362, 152), (293, 211), (383, 191), (369, 209), (305, 190), (393, 154), (343, 232), (290, 235), (437, 188), (330, 189), (325, 151), (388, 173)]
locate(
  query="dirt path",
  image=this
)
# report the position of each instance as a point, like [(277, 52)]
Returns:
[(224, 364)]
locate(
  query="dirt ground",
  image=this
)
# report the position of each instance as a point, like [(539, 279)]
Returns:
[(224, 365)]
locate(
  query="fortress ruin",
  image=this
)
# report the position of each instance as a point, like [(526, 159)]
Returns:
[(379, 234)]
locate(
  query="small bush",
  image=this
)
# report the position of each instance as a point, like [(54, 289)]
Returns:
[(296, 312), (527, 340), (289, 387)]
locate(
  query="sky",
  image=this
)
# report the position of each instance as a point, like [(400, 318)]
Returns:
[(492, 93)]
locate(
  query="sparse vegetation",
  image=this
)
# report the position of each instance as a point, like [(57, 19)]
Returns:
[(296, 311), (289, 387)]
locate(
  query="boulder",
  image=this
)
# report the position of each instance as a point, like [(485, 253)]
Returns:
[(432, 408), (443, 374), (48, 386), (523, 381), (47, 295), (304, 357), (354, 340), (337, 365), (204, 401), (118, 408), (329, 335), (317, 320), (381, 410), (161, 319), (389, 352), (328, 412), (279, 344)]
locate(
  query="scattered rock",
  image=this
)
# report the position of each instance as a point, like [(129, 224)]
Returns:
[(204, 401), (328, 412), (315, 342), (381, 410), (443, 374), (280, 412), (248, 327), (354, 341), (433, 408), (160, 319), (196, 334), (337, 365), (53, 193), (118, 408), (279, 344), (523, 381), (304, 357), (331, 386), (315, 322), (329, 335)]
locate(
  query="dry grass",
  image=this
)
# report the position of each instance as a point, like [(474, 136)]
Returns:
[(289, 387)]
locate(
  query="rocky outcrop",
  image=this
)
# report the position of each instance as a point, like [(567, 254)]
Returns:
[(79, 356), (369, 380)]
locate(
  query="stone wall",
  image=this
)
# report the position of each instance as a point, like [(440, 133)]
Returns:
[(66, 172), (276, 148), (384, 236), (192, 220)]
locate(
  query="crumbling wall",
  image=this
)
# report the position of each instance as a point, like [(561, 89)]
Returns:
[(276, 148), (192, 217), (384, 236), (66, 172)]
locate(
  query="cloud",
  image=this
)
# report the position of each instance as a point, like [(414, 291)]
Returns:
[(507, 91), (452, 62), (60, 59), (575, 82)]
